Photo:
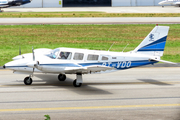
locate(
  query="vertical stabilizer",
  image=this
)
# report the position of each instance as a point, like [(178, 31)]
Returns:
[(155, 41)]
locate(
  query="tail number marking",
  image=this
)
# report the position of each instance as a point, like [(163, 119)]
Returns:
[(124, 64)]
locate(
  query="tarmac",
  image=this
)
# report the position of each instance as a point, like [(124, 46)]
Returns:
[(138, 94), (85, 20)]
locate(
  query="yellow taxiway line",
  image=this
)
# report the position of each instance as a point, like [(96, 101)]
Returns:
[(90, 107)]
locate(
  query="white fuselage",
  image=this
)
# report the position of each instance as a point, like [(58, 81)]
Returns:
[(77, 60)]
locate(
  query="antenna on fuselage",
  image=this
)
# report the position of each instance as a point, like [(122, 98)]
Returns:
[(125, 47), (111, 46), (19, 50)]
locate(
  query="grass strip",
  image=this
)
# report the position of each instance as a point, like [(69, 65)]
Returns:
[(98, 37), (82, 14)]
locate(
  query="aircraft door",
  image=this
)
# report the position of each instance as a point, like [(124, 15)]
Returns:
[(105, 60)]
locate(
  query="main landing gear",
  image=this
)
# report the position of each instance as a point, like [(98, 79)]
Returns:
[(62, 77), (76, 83)]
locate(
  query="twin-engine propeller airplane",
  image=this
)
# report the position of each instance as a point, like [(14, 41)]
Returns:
[(9, 3), (80, 61)]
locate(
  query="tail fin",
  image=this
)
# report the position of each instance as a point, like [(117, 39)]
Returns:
[(154, 43)]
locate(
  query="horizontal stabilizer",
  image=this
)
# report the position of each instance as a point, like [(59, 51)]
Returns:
[(164, 61)]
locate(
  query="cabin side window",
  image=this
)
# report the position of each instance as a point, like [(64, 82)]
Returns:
[(65, 55), (92, 57), (78, 56), (104, 58)]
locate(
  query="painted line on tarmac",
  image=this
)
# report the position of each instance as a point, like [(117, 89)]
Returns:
[(90, 107)]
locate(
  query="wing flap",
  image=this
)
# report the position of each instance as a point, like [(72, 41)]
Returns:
[(99, 67), (94, 68)]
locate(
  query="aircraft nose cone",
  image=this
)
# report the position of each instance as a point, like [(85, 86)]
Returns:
[(4, 66)]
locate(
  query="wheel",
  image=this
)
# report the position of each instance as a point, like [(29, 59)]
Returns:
[(61, 77), (27, 81), (76, 84)]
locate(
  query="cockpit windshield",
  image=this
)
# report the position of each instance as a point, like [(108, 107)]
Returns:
[(57, 54), (54, 53)]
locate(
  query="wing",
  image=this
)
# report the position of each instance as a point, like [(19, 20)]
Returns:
[(88, 69), (4, 6)]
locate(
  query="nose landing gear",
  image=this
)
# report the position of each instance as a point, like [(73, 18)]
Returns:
[(28, 80)]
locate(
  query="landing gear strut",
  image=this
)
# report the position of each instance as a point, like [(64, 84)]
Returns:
[(61, 77), (78, 81), (28, 81)]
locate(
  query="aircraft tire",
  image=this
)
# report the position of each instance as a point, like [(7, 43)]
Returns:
[(61, 77), (27, 81), (75, 83)]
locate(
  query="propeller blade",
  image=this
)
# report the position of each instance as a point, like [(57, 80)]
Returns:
[(33, 57)]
